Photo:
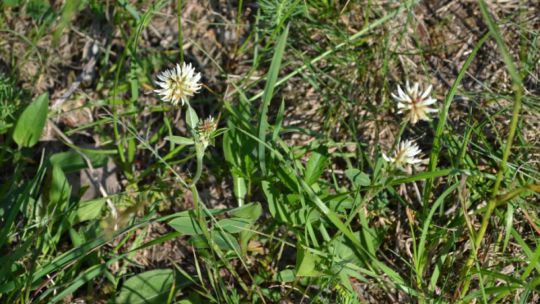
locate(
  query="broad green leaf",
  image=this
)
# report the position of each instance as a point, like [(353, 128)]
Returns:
[(287, 177), (89, 274), (89, 210), (368, 234), (234, 225), (186, 225), (191, 118), (306, 263), (303, 216), (60, 189), (228, 147), (344, 251), (180, 140), (30, 124), (251, 211), (286, 276), (148, 287), (358, 178), (77, 238), (275, 202), (223, 240), (316, 165), (269, 193), (226, 241), (69, 9), (130, 8), (72, 161)]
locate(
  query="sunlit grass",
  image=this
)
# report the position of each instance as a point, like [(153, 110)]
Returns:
[(296, 171)]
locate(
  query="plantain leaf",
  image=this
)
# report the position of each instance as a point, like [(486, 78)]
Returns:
[(148, 287), (180, 140), (30, 124), (316, 165)]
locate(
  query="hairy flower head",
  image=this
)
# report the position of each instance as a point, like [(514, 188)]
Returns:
[(205, 129), (178, 84), (415, 103)]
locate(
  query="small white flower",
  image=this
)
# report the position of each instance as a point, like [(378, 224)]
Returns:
[(406, 156), (414, 103), (178, 84)]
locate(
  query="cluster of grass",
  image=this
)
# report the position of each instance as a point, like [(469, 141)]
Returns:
[(292, 201)]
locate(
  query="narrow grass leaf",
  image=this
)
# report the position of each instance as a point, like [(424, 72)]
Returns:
[(443, 113), (269, 93), (421, 260)]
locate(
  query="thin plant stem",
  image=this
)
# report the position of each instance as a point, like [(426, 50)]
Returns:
[(401, 130), (492, 203), (180, 31), (199, 153)]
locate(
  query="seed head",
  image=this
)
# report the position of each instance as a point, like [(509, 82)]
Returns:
[(205, 130)]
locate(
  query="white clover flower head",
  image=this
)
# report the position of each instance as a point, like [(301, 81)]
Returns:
[(407, 155), (414, 103), (178, 84)]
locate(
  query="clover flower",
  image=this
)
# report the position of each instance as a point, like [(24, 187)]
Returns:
[(414, 103), (205, 129), (178, 84), (407, 155)]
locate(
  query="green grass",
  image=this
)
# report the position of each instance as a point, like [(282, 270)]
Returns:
[(289, 199)]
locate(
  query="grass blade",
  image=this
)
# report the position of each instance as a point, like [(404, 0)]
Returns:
[(443, 116), (268, 93)]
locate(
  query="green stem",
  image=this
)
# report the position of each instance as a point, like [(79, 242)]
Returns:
[(180, 32), (199, 153), (401, 130), (492, 203)]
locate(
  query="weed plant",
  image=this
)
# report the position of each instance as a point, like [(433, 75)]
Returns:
[(272, 151)]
